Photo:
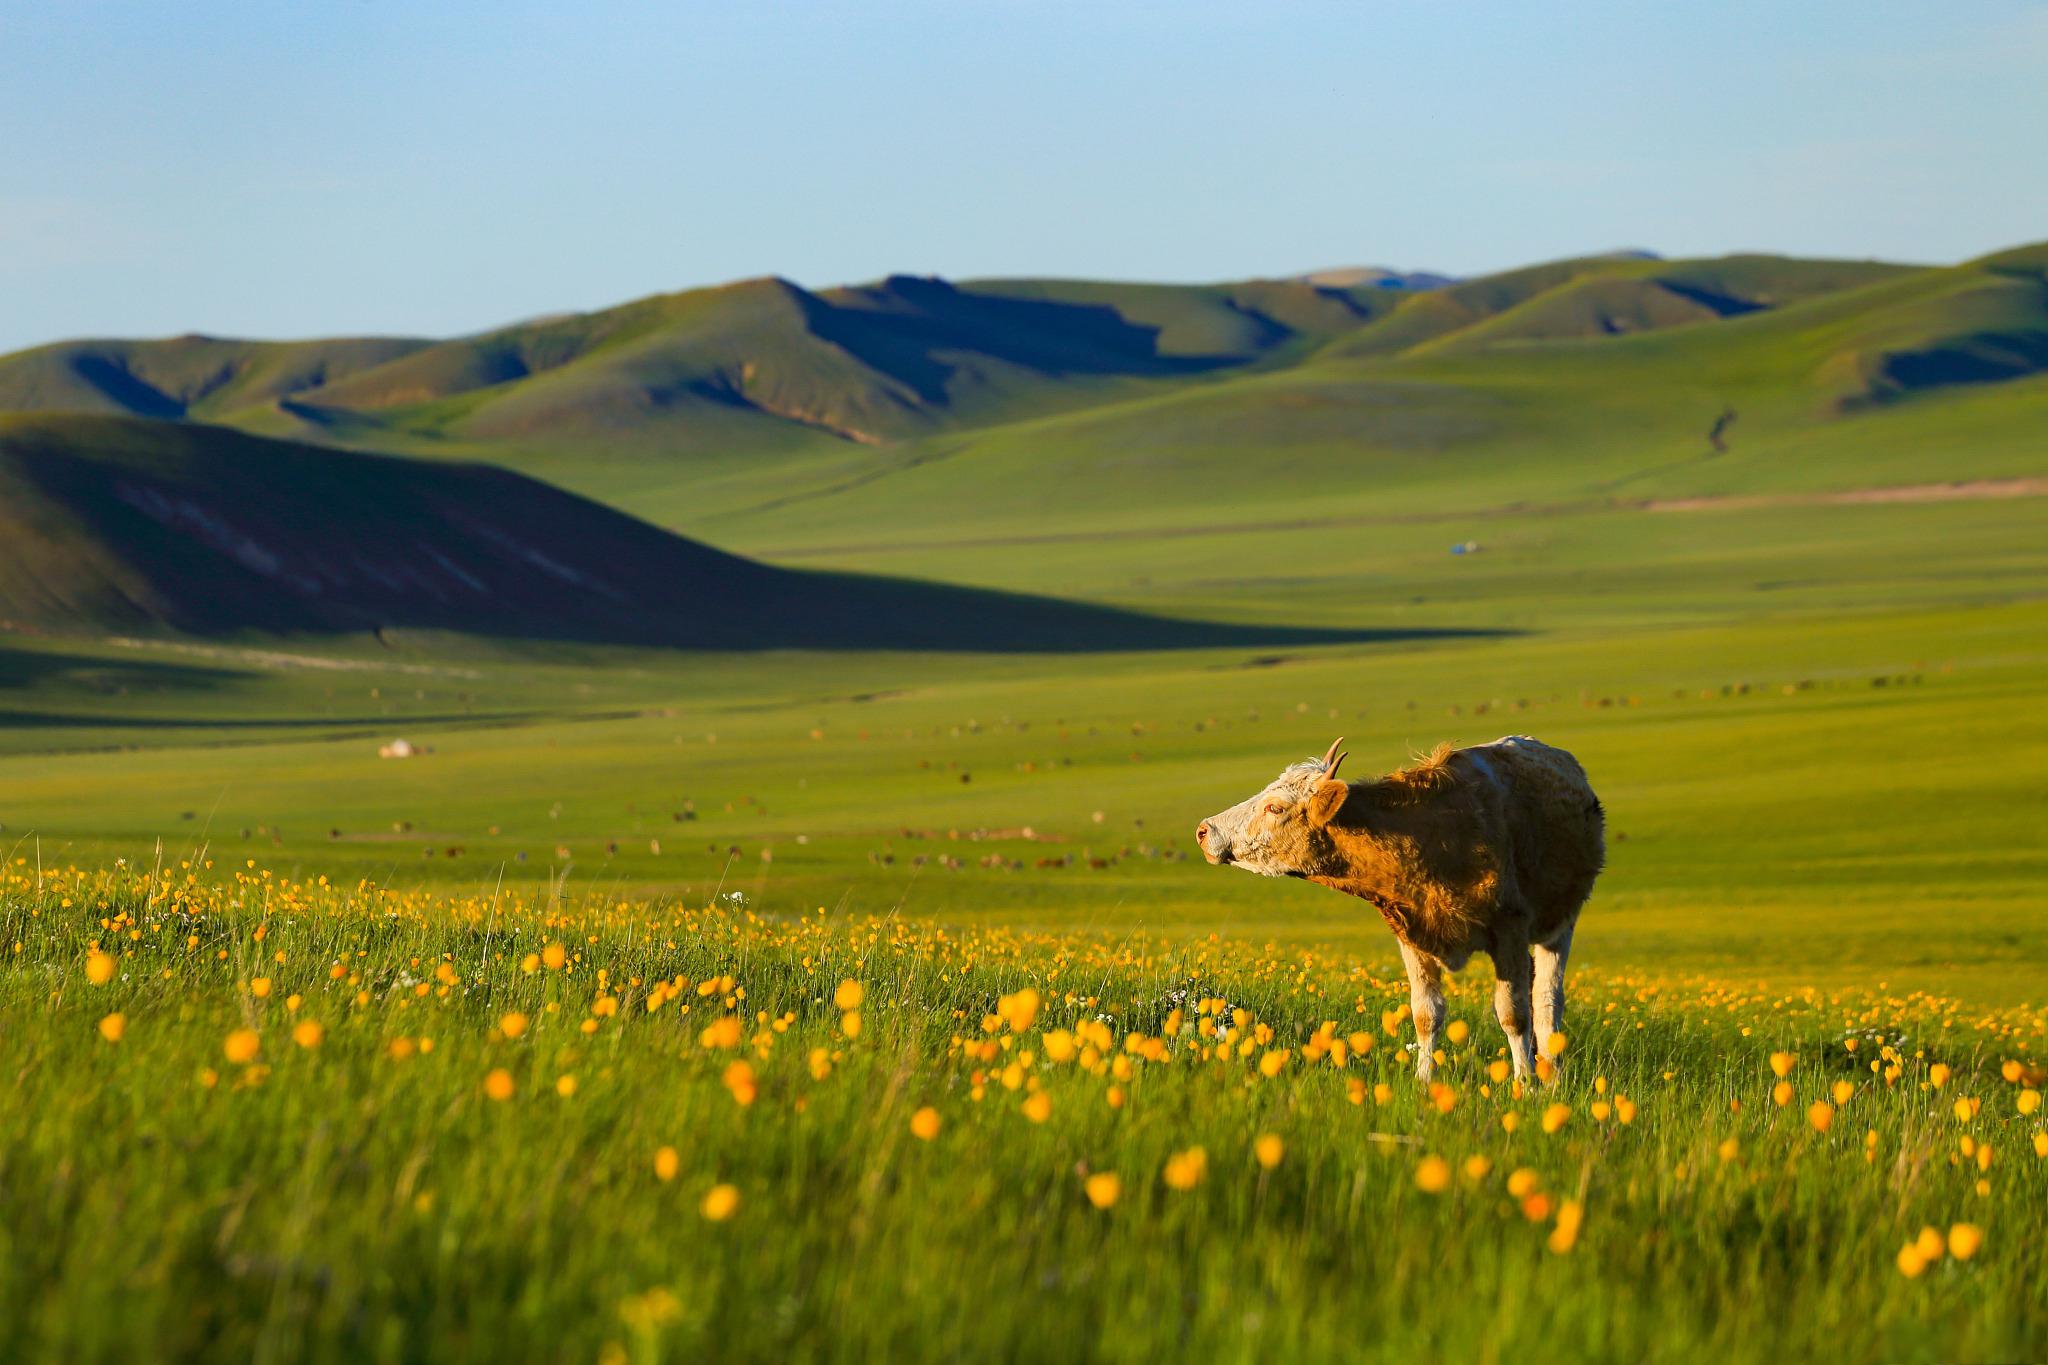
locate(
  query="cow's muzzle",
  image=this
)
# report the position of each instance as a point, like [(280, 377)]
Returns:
[(1216, 856)]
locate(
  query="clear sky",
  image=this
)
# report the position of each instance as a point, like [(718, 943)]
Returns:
[(283, 168)]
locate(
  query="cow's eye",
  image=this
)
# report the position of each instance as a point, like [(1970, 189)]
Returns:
[(1275, 808)]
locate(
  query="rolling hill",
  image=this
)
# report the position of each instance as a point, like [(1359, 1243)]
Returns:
[(842, 424), (123, 524), (866, 364), (767, 365)]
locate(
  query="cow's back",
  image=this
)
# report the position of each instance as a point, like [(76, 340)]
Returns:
[(1556, 828)]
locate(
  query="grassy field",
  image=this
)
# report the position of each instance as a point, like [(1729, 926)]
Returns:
[(1815, 720), (1817, 731), (260, 1119)]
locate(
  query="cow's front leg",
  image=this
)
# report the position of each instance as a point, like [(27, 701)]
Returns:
[(1426, 1002), (1513, 975)]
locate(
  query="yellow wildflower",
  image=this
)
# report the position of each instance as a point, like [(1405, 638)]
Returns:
[(1565, 1235), (720, 1203), (1184, 1170)]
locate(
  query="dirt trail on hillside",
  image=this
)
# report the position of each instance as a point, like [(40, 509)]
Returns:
[(1959, 491), (1962, 491)]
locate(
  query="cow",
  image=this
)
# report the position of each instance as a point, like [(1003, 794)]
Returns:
[(1492, 849)]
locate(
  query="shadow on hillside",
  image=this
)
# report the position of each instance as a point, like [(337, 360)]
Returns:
[(904, 325), (1723, 304), (106, 677), (1986, 358), (853, 611)]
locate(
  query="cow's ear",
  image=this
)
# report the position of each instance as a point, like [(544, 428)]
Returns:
[(1326, 800)]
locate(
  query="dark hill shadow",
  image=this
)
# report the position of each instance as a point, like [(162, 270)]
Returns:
[(211, 532), (1986, 358), (905, 325), (1724, 305), (113, 379)]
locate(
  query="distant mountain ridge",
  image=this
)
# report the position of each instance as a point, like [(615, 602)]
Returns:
[(765, 362)]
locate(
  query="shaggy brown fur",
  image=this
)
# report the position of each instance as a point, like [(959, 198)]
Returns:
[(1489, 849)]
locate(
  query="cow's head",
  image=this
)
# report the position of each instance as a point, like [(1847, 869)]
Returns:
[(1279, 832)]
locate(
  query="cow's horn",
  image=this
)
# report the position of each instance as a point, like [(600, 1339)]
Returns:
[(1330, 759), (1335, 763)]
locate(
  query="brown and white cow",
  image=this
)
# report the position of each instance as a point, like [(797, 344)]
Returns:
[(1490, 849)]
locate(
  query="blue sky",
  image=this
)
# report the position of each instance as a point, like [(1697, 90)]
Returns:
[(294, 169)]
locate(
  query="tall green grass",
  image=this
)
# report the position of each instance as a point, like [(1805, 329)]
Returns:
[(355, 1200)]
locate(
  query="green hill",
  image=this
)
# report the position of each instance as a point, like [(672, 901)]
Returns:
[(763, 361), (1821, 380), (121, 524), (765, 364), (767, 416)]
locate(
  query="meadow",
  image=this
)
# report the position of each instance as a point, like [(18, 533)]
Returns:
[(842, 1003), (255, 1118), (538, 1045)]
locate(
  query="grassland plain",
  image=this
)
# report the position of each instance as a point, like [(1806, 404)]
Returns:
[(252, 1118), (1818, 731), (1817, 727)]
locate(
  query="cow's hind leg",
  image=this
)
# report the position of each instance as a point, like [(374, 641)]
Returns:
[(1550, 959), (1426, 1001), (1513, 973)]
